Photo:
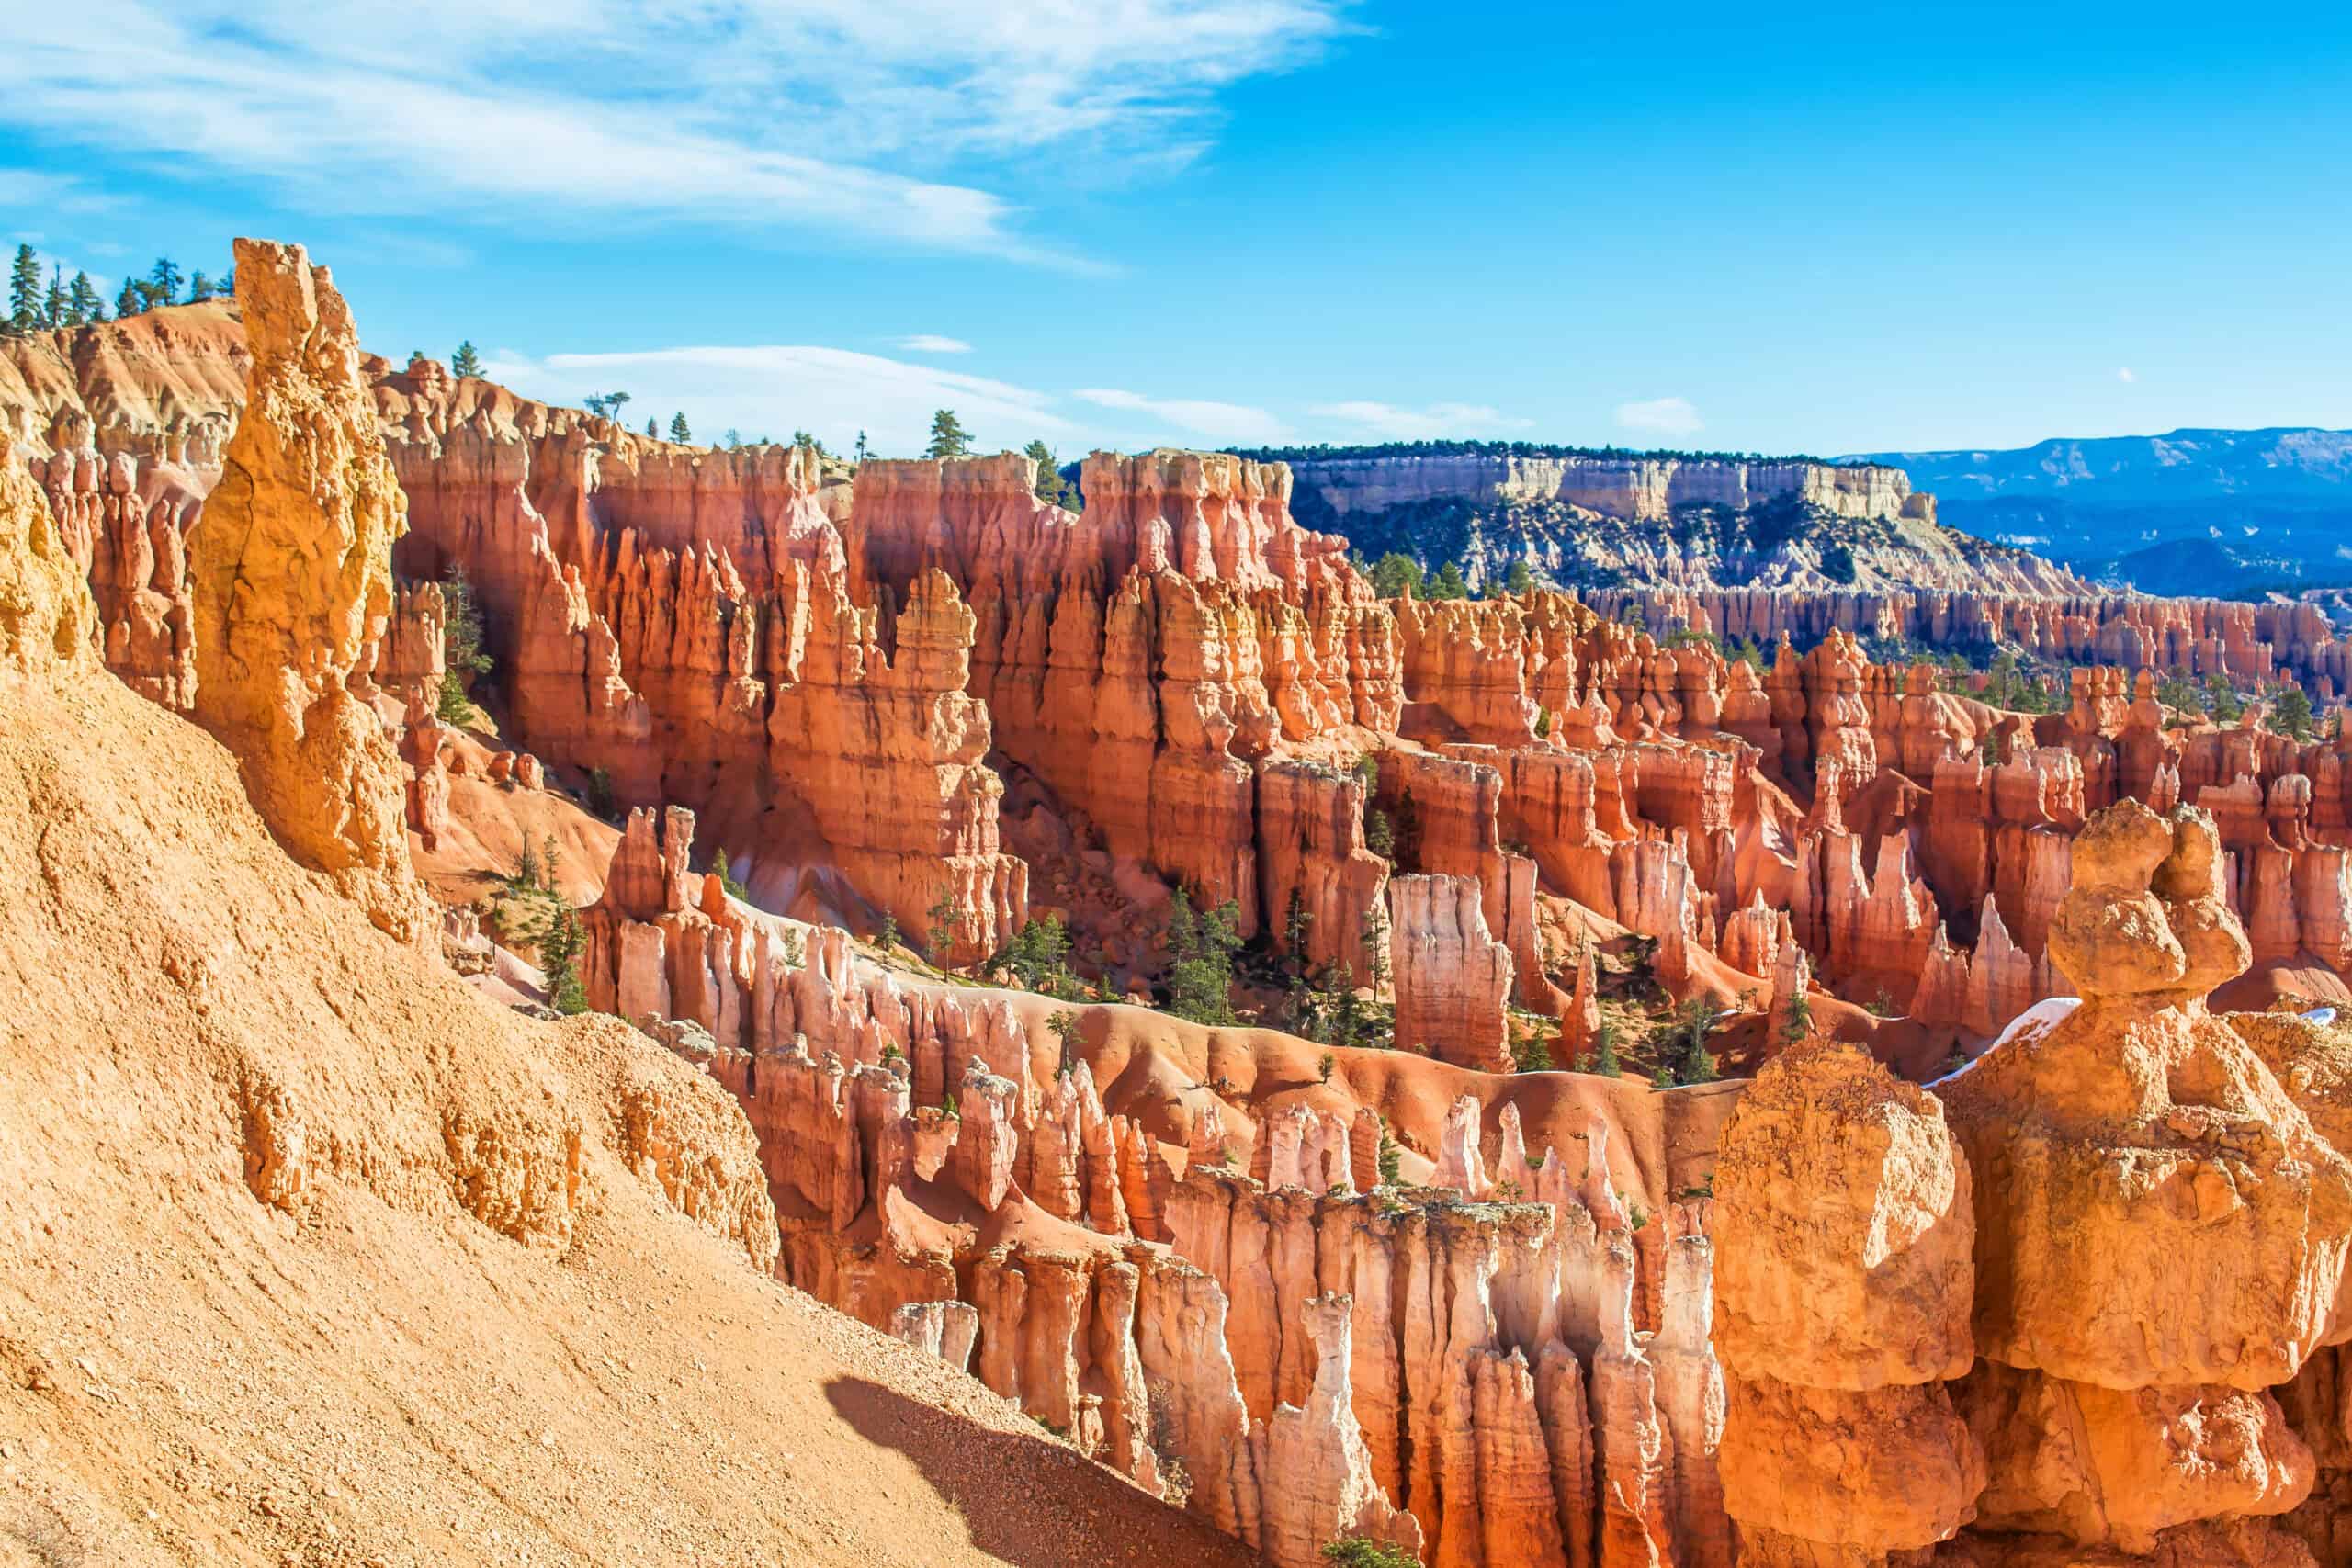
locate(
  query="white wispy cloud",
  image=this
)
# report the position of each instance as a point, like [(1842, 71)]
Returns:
[(42, 190), (930, 343), (772, 391), (1235, 424), (2126, 376), (896, 118), (1661, 416), (1415, 425)]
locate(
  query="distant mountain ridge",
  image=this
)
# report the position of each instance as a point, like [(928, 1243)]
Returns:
[(2207, 511), (1610, 517)]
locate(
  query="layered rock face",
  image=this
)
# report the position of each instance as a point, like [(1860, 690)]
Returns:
[(47, 621), (1466, 1375), (292, 583)]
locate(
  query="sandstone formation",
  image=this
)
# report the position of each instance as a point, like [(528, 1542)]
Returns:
[(2124, 1366), (291, 580), (2078, 1302), (277, 1142)]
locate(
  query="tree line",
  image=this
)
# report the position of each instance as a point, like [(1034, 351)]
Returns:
[(1326, 452), (39, 304)]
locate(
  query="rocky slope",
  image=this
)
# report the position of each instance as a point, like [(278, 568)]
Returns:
[(318, 1255), (1305, 1285), (1602, 520)]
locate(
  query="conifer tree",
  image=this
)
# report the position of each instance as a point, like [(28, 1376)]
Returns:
[(1447, 583), (199, 288), (166, 279), (678, 431), (53, 306), (465, 362), (653, 426), (1051, 488), (129, 302), (83, 304), (24, 291), (861, 447), (948, 438)]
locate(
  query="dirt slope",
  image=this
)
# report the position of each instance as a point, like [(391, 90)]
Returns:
[(472, 1323)]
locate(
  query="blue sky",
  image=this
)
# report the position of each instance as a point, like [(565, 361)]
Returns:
[(1823, 229)]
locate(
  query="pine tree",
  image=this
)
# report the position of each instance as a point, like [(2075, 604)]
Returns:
[(24, 291), (560, 946), (83, 304), (199, 288), (1519, 579), (861, 447), (465, 362), (948, 439), (678, 430), (614, 403), (734, 439), (653, 426), (1448, 584), (2291, 714), (53, 306), (129, 302), (165, 277), (1395, 574), (1051, 488)]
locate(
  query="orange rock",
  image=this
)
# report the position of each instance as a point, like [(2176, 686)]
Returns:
[(291, 579)]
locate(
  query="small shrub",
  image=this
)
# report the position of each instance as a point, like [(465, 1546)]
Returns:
[(1362, 1551), (1323, 1067)]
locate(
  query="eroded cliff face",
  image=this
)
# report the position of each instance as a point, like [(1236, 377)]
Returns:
[(1600, 520), (291, 582), (2159, 1234)]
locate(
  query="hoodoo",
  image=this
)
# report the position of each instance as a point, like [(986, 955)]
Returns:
[(1109, 1008)]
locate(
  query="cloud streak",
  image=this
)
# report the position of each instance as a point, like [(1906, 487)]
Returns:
[(772, 390), (1223, 424), (1661, 416), (690, 110), (930, 343), (1393, 422)]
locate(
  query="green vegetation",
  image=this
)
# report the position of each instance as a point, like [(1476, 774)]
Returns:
[(560, 941), (1447, 583), (942, 925), (1605, 1051), (1202, 945), (2290, 714), (1799, 1027), (1361, 1551), (1531, 1052), (948, 438), (1395, 574), (1391, 1156), (1064, 1027), (601, 801), (465, 362), (1686, 1058), (1519, 579), (461, 653), (1050, 486), (679, 430), (723, 867), (1039, 956), (1326, 452)]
